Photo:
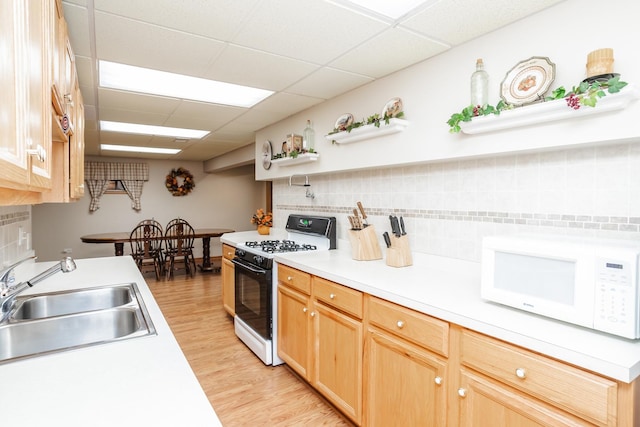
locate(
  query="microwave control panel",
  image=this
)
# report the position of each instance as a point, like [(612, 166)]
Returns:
[(616, 297)]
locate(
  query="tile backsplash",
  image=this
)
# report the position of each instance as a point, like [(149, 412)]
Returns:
[(15, 233), (448, 207)]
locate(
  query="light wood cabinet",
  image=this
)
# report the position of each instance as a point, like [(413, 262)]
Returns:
[(405, 381), (25, 148), (516, 384), (37, 70), (228, 274), (295, 326), (320, 336), (410, 368), (339, 342)]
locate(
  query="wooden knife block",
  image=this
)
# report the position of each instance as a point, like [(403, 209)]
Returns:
[(399, 254), (364, 244)]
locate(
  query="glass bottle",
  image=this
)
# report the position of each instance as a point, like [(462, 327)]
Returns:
[(308, 137), (479, 85)]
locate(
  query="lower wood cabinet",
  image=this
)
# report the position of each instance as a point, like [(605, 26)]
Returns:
[(512, 383), (404, 385), (320, 336), (382, 364), (228, 274)]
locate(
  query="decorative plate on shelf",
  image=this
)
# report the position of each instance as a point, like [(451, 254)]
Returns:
[(528, 81), (266, 154), (392, 108), (343, 122)]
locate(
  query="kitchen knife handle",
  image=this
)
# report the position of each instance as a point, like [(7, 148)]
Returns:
[(402, 229), (387, 239), (364, 215)]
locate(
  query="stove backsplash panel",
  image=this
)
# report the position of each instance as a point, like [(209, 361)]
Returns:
[(448, 207)]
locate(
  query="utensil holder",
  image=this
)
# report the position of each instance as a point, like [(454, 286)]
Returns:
[(399, 254), (364, 244)]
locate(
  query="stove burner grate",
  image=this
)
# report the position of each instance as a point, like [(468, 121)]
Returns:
[(274, 246)]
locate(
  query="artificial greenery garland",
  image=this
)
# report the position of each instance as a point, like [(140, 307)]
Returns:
[(187, 182), (586, 93)]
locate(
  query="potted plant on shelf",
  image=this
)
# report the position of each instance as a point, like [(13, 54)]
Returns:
[(263, 220)]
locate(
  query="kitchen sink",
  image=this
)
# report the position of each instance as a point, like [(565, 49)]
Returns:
[(53, 322), (69, 302)]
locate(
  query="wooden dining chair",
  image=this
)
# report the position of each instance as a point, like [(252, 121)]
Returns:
[(179, 237), (146, 247)]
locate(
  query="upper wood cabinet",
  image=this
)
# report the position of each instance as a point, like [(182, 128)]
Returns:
[(37, 71), (25, 29)]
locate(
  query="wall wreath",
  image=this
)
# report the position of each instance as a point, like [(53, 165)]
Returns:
[(173, 182)]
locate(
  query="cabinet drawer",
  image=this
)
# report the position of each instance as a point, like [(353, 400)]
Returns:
[(582, 393), (338, 296), (228, 251), (295, 278), (423, 330)]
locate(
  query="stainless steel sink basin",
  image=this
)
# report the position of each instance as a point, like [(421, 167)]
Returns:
[(47, 323), (60, 303)]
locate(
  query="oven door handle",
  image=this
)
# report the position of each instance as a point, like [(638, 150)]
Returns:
[(249, 267)]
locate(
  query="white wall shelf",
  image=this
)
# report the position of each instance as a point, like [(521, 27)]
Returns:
[(368, 132), (301, 158), (548, 112)]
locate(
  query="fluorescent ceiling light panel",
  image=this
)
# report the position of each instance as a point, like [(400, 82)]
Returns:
[(154, 150), (152, 130), (392, 8), (145, 80)]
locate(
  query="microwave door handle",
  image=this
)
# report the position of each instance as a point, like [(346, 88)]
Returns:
[(249, 267)]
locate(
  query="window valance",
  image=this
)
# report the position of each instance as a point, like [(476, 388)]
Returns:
[(98, 175)]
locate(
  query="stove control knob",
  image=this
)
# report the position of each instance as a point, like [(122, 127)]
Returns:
[(258, 259), (240, 252)]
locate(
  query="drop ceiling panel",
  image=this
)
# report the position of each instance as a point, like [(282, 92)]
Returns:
[(392, 50), (457, 21), (78, 27), (310, 30), (214, 19), (127, 116), (135, 43), (130, 101), (287, 104), (328, 82), (253, 120), (258, 69), (207, 117)]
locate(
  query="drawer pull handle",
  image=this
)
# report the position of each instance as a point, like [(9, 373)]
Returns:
[(332, 296), (521, 373), (313, 313), (400, 324), (438, 380), (289, 278), (305, 309), (462, 392)]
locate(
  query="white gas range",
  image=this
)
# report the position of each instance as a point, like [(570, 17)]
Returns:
[(256, 278)]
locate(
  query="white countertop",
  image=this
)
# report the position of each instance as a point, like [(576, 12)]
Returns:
[(449, 289), (138, 382)]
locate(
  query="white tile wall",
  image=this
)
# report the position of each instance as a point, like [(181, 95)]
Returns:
[(448, 207), (13, 220)]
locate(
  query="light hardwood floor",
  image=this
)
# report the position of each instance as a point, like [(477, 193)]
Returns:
[(241, 389)]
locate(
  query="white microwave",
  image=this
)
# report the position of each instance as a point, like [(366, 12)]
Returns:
[(585, 281)]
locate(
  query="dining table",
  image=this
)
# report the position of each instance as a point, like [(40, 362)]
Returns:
[(119, 238)]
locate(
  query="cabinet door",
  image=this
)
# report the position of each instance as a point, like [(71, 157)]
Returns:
[(404, 384), (295, 330), (37, 108), (13, 161), (228, 286), (338, 360), (76, 142), (485, 403)]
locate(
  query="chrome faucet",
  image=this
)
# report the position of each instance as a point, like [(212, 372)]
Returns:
[(9, 292)]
